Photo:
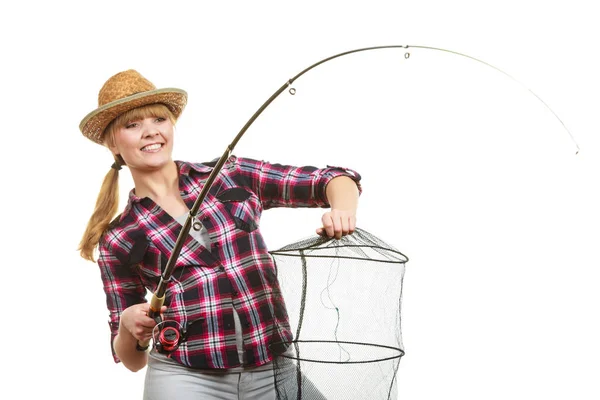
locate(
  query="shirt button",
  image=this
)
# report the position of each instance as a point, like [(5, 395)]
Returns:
[(216, 244), (235, 293), (222, 268)]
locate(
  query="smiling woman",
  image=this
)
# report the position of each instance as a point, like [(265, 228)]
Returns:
[(146, 129), (142, 139), (222, 308)]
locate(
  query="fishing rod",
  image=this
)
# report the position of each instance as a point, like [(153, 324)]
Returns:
[(158, 297)]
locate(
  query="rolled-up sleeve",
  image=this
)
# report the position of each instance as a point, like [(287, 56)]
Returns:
[(280, 185), (122, 286)]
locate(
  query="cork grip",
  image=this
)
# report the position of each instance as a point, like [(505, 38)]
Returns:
[(156, 304)]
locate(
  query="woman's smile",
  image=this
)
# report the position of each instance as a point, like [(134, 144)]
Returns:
[(152, 148)]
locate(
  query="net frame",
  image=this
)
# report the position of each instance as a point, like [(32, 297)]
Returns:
[(361, 246)]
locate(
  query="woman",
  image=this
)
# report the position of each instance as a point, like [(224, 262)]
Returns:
[(222, 294)]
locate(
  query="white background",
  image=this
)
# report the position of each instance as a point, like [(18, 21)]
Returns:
[(464, 170)]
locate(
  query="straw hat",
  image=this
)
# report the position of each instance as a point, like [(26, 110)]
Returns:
[(123, 92)]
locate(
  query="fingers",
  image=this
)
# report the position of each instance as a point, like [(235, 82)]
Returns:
[(328, 225), (141, 333), (351, 224), (337, 223), (142, 319), (143, 327), (137, 321)]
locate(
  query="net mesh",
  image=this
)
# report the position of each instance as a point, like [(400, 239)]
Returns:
[(343, 298)]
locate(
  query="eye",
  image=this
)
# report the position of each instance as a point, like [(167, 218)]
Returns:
[(131, 125), (160, 119)]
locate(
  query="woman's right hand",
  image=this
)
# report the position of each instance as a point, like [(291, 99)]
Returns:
[(137, 323)]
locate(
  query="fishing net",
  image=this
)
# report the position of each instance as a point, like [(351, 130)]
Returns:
[(343, 299)]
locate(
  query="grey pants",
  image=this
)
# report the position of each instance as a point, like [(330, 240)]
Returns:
[(168, 380)]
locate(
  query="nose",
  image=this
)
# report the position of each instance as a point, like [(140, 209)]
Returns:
[(150, 129)]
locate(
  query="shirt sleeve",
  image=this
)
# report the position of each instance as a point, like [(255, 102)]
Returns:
[(280, 185), (122, 286)]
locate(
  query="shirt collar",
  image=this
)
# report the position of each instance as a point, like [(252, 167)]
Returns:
[(185, 169)]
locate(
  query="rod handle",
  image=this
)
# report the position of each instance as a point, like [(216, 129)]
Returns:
[(156, 304)]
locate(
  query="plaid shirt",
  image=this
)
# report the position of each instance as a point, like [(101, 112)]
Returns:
[(237, 273)]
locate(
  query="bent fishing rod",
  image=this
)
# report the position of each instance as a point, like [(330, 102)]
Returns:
[(158, 296)]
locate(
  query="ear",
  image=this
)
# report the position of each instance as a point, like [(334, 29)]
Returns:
[(111, 145), (109, 141), (113, 149)]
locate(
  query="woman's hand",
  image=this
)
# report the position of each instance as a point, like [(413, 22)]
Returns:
[(342, 195), (137, 323), (337, 223), (135, 326)]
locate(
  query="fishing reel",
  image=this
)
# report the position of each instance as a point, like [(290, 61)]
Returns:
[(168, 335)]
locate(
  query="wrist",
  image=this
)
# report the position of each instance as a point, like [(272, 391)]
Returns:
[(125, 336), (139, 347)]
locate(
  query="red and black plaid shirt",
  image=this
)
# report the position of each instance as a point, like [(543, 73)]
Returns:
[(237, 273)]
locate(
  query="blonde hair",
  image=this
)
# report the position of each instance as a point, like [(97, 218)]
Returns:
[(108, 198)]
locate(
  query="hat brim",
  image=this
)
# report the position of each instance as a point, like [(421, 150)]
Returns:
[(94, 124)]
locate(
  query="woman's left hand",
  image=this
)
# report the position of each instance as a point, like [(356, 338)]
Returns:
[(337, 223)]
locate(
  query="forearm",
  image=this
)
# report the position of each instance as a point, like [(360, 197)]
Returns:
[(125, 348), (342, 194)]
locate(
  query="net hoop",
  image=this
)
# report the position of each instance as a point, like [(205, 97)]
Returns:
[(286, 344)]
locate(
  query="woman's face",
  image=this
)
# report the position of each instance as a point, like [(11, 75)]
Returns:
[(145, 144)]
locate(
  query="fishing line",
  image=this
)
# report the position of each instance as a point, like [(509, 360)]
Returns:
[(332, 275), (407, 55)]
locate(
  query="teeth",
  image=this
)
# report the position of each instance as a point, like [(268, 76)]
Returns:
[(152, 147)]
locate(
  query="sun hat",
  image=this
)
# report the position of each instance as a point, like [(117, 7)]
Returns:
[(123, 92)]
